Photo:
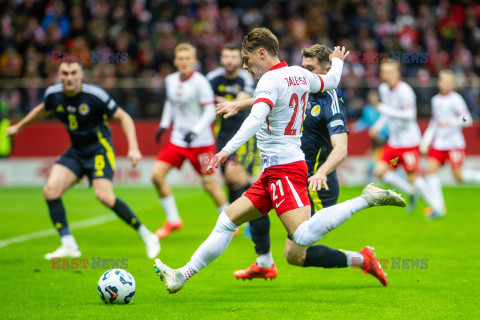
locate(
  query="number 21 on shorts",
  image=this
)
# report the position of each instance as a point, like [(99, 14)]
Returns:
[(273, 187)]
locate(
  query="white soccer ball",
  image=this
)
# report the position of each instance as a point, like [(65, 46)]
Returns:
[(116, 286)]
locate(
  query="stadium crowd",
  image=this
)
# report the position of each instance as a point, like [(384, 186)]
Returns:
[(446, 32)]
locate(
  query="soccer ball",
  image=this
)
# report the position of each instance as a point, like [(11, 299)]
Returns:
[(116, 286)]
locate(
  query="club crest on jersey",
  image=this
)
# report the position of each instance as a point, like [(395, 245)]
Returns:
[(316, 110), (83, 109), (71, 109)]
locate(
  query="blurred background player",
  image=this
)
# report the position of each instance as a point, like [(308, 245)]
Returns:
[(324, 143), (231, 83), (367, 119), (190, 105), (83, 109), (398, 110), (444, 133)]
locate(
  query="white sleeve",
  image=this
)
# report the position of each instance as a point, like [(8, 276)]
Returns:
[(326, 82), (464, 118), (380, 123), (206, 119), (427, 137), (205, 92), (405, 114), (250, 126), (167, 114), (266, 91)]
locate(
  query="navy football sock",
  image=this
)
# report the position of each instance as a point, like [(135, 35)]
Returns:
[(58, 216), (260, 231), (325, 257), (236, 191), (123, 211)]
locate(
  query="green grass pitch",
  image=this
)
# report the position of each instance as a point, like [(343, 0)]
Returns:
[(447, 288)]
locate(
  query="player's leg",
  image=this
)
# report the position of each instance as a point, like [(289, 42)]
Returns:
[(168, 158), (211, 186), (434, 183), (61, 178), (457, 157), (103, 188), (239, 212), (236, 179)]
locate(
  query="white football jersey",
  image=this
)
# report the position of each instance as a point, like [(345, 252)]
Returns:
[(444, 109), (285, 89), (402, 133), (187, 98)]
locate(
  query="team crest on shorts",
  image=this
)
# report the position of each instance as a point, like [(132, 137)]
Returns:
[(316, 110), (83, 109)]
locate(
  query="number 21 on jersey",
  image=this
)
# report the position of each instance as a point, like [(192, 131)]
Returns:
[(294, 125)]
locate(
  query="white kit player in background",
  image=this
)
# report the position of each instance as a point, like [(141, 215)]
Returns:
[(398, 110), (276, 117), (444, 133), (190, 105)]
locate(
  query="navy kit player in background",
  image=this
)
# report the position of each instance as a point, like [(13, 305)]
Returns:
[(324, 143), (231, 83), (83, 109)]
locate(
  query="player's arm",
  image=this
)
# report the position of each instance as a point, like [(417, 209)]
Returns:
[(408, 112), (330, 80), (427, 137), (231, 108), (208, 116), (128, 128), (250, 126), (36, 114), (167, 117), (334, 159), (463, 119)]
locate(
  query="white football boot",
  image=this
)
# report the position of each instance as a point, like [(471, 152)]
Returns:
[(173, 279), (152, 245), (379, 197), (64, 251)]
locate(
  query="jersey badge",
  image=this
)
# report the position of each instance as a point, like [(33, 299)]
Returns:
[(60, 109), (71, 109), (83, 109), (316, 110)]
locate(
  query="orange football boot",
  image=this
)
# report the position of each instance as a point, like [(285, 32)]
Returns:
[(254, 271), (167, 227), (372, 266)]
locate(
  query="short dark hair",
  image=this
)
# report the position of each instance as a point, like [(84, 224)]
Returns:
[(319, 51), (70, 60), (261, 38), (231, 46)]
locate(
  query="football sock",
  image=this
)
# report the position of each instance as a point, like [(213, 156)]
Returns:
[(69, 241), (471, 176), (398, 182), (435, 185), (354, 258), (326, 220), (421, 185), (170, 208), (215, 244), (186, 272), (235, 191), (58, 216), (265, 260), (222, 208), (325, 257), (144, 233), (260, 232), (125, 213)]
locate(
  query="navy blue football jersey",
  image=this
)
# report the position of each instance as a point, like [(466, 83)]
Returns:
[(324, 117), (84, 115), (229, 88)]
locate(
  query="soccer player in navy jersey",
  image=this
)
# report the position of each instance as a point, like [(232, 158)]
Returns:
[(84, 109)]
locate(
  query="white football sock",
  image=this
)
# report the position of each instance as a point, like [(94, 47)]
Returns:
[(170, 208), (144, 233), (398, 182), (325, 220), (186, 272), (215, 244), (422, 188), (222, 208), (265, 260), (471, 176), (69, 241), (435, 186), (354, 258)]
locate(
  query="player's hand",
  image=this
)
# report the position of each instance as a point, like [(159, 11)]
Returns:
[(339, 52), (443, 124), (12, 131), (159, 133), (218, 160), (219, 99), (134, 156), (373, 132), (318, 180), (228, 108), (189, 137)]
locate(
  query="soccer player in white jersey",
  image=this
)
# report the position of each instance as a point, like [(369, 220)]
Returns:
[(276, 117), (398, 110), (444, 133), (190, 105)]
